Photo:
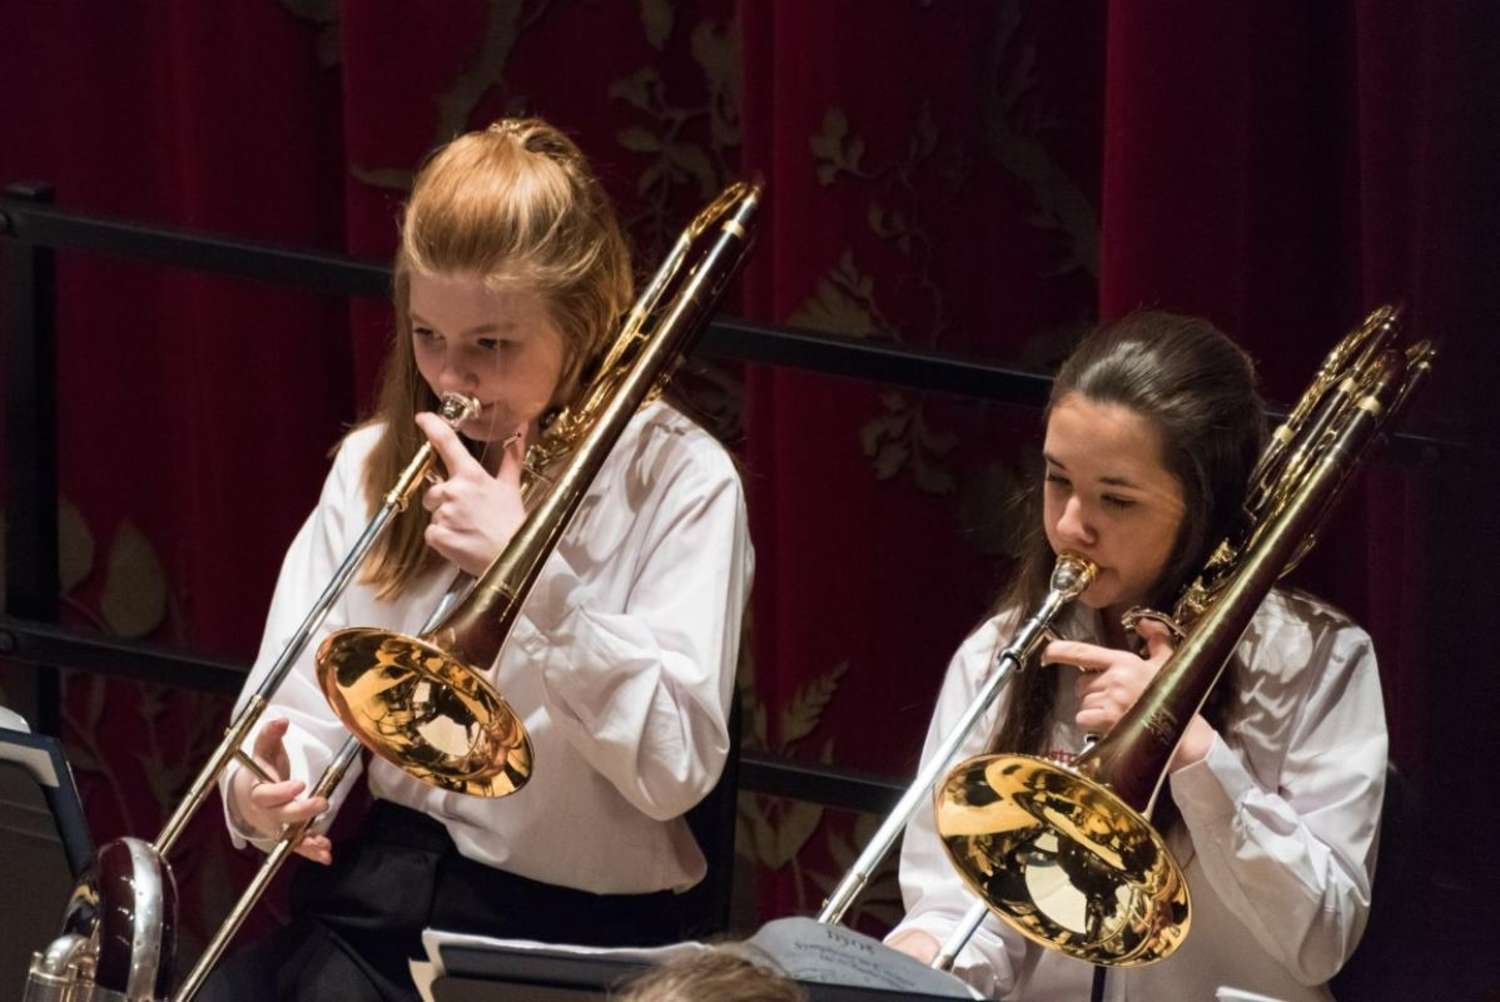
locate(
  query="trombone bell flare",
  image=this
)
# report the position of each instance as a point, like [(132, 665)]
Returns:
[(1071, 866), (425, 712)]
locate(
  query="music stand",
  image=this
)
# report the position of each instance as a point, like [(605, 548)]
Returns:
[(36, 762), (44, 843)]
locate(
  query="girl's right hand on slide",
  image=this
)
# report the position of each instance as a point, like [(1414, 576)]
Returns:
[(265, 808)]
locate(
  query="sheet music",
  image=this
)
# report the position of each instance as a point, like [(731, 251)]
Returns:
[(801, 948), (809, 950)]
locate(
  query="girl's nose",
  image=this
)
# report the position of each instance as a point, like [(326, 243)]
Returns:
[(1073, 524), (456, 378)]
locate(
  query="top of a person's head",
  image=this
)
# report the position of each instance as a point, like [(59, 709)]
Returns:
[(714, 975), (518, 202), (1198, 390)]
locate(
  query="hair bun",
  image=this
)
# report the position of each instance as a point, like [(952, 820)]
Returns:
[(508, 127), (535, 136)]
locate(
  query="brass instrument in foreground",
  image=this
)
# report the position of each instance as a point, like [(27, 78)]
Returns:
[(1071, 577), (1064, 854), (420, 703), (118, 940)]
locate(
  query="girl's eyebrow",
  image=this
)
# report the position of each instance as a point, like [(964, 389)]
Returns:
[(498, 327), (1111, 480)]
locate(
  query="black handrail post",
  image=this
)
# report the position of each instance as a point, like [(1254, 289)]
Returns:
[(30, 501)]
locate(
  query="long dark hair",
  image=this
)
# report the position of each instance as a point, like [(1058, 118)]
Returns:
[(1198, 389)]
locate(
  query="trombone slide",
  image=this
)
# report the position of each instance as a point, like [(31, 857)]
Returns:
[(1070, 578)]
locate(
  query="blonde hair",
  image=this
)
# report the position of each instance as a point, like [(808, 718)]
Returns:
[(514, 203), (718, 974)]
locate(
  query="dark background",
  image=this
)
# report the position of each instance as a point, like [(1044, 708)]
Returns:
[(979, 178)]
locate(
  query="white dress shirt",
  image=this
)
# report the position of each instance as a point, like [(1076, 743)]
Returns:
[(1279, 820), (621, 664)]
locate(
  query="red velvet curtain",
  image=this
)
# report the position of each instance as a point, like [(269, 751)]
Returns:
[(933, 173), (981, 179), (1282, 168)]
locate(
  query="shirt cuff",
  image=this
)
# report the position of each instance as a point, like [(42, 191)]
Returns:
[(239, 835), (1214, 786)]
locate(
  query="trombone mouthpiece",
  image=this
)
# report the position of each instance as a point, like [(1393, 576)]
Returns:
[(1072, 575), (458, 407)]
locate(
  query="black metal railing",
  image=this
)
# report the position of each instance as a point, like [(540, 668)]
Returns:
[(41, 644)]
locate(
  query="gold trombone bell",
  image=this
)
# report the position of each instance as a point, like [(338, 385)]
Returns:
[(1071, 866), (425, 712)]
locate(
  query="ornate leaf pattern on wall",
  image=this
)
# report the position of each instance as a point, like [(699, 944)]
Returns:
[(86, 725), (686, 140), (837, 151), (771, 832), (505, 20), (75, 546), (716, 49), (1059, 205), (131, 601), (843, 303), (170, 770), (657, 16), (798, 820), (902, 439), (669, 130), (845, 299), (134, 601), (800, 717), (504, 23)]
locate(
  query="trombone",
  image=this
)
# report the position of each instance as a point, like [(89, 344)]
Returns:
[(419, 702), (1064, 853)]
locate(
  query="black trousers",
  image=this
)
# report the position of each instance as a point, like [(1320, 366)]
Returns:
[(357, 922)]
